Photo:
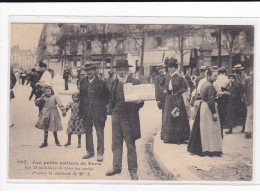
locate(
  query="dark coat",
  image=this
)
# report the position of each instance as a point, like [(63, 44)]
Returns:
[(132, 107), (100, 98), (159, 86), (66, 74), (12, 84)]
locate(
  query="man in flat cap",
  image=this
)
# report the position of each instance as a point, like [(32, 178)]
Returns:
[(159, 87), (125, 121), (94, 96)]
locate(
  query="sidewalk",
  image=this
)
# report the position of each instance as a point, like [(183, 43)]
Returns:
[(235, 164)]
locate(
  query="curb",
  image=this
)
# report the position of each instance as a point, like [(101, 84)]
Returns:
[(161, 165), (173, 172)]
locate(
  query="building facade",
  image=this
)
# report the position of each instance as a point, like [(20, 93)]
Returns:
[(25, 59)]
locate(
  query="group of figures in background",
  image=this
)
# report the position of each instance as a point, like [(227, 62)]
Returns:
[(213, 100)]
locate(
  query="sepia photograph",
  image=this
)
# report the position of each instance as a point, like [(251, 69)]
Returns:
[(131, 102)]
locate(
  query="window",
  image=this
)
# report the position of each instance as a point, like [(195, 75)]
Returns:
[(89, 45)]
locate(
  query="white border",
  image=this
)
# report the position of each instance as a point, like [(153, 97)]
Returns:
[(19, 12)]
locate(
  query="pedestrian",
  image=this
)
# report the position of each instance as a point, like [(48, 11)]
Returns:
[(235, 104), (75, 124), (176, 127), (34, 77), (125, 121), (221, 85), (205, 136), (46, 78), (166, 61), (159, 87), (240, 77), (249, 104), (94, 96), (12, 84), (66, 75), (49, 119), (23, 77)]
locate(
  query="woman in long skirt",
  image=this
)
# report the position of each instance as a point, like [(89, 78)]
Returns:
[(205, 136), (175, 127)]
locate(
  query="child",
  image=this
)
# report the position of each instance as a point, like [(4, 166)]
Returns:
[(75, 124), (49, 118)]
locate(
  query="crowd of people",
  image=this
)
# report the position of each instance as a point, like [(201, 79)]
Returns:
[(212, 99)]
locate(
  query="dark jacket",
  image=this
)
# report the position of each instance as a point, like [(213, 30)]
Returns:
[(34, 77), (159, 86), (99, 97), (132, 107), (66, 74)]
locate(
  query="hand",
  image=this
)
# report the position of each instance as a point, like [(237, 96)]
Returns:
[(165, 92), (215, 117)]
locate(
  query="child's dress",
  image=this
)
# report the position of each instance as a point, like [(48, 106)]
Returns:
[(49, 118), (75, 124)]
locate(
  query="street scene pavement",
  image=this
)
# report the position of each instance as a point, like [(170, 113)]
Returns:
[(28, 161)]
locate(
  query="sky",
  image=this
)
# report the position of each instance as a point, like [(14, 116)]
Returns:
[(25, 35)]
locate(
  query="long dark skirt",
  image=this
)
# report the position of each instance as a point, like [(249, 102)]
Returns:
[(175, 130)]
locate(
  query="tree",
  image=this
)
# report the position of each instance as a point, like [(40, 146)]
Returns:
[(180, 32), (139, 34), (232, 44)]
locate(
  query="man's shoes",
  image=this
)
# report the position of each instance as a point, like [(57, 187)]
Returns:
[(67, 144), (229, 131), (113, 172), (88, 155), (248, 136), (45, 144), (134, 176), (100, 158)]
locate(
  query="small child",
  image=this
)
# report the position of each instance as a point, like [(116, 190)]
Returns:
[(49, 118), (75, 124)]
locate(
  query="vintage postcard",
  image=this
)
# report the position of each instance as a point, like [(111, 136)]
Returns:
[(131, 102)]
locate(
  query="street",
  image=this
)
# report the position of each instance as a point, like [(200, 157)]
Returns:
[(28, 161)]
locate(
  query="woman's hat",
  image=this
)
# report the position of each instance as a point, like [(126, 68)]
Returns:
[(122, 63), (172, 63), (238, 67), (231, 75)]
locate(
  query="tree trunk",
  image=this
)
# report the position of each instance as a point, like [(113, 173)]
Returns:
[(181, 53), (230, 66), (141, 71), (219, 47)]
